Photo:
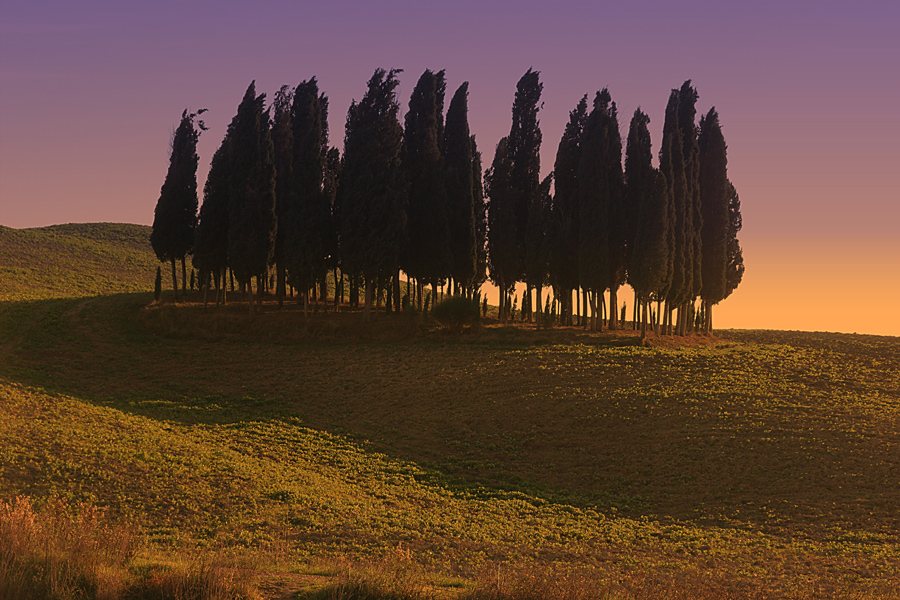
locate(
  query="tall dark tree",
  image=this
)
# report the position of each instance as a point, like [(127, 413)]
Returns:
[(619, 217), (714, 204), (309, 220), (461, 208), (251, 208), (687, 113), (564, 214), (372, 191), (503, 257), (537, 251), (175, 217), (594, 193), (525, 153), (428, 256), (646, 192), (211, 242), (734, 269), (481, 257), (283, 145), (672, 166)]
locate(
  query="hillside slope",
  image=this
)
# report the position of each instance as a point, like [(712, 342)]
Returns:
[(77, 259), (765, 462)]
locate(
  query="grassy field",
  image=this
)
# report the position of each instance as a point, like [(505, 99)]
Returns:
[(751, 465), (78, 259)]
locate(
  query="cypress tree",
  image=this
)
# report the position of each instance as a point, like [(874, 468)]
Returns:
[(564, 214), (671, 163), (371, 192), (157, 285), (734, 270), (714, 203), (461, 207), (619, 221), (283, 146), (175, 216), (428, 255), (646, 192), (211, 243), (594, 196), (503, 261), (687, 113), (309, 218), (481, 257), (524, 150), (251, 207), (537, 251)]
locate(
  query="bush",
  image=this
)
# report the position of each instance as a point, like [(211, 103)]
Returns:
[(455, 312)]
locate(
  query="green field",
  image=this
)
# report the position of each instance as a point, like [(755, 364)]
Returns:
[(754, 464)]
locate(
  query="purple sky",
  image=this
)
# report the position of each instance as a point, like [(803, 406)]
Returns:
[(808, 94)]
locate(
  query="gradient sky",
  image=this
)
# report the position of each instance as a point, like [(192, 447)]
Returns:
[(808, 94)]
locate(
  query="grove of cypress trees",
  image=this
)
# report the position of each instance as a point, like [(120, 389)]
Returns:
[(563, 232), (371, 192), (428, 253), (714, 204), (251, 207), (211, 242), (461, 208), (646, 192), (175, 217)]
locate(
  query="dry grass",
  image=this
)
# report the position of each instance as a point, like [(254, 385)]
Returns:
[(74, 552)]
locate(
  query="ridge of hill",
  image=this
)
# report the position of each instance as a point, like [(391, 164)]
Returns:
[(75, 259)]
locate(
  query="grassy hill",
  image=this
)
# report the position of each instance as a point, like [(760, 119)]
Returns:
[(83, 259), (753, 465)]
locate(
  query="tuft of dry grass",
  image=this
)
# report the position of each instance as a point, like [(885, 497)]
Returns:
[(64, 551)]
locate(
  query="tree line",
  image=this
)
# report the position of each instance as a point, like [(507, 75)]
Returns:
[(411, 198)]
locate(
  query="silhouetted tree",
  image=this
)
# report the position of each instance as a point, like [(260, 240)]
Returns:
[(594, 192), (307, 245), (481, 257), (646, 192), (734, 271), (461, 207), (175, 217), (251, 208), (503, 260), (211, 243), (563, 231), (672, 166), (427, 256), (283, 145), (537, 251), (714, 203), (619, 216), (371, 190)]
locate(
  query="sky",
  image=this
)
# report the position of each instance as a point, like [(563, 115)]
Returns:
[(807, 92)]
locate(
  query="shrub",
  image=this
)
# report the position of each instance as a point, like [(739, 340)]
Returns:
[(455, 312)]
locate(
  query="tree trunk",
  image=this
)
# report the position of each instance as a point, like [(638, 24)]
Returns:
[(643, 322), (248, 288), (635, 313), (174, 282), (205, 278), (280, 277), (709, 315), (539, 315), (183, 278), (370, 293), (613, 307)]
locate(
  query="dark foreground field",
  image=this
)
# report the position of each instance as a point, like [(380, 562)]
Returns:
[(307, 450)]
